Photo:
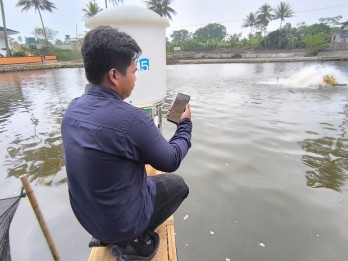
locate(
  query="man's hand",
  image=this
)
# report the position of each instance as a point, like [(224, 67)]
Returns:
[(187, 113)]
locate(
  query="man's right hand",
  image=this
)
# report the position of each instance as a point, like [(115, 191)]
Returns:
[(187, 113)]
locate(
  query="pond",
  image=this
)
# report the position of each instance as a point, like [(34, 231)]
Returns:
[(267, 170)]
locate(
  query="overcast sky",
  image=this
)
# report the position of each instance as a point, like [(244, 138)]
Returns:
[(191, 14)]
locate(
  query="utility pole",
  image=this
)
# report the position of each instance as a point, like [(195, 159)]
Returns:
[(5, 30)]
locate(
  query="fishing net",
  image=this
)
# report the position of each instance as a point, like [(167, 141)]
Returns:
[(8, 207)]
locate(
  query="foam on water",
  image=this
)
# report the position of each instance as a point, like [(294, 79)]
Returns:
[(312, 76)]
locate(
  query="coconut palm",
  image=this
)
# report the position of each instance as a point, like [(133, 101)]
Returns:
[(5, 29), (282, 11), (38, 5), (161, 7), (250, 21), (114, 2), (92, 8), (264, 16)]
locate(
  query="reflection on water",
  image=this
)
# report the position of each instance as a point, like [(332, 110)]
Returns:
[(38, 158), (328, 157), (32, 105)]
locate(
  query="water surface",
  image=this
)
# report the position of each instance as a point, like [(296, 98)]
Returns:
[(267, 170)]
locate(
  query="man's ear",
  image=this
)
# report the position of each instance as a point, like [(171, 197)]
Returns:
[(113, 75)]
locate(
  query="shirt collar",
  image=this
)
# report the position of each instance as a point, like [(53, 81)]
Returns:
[(98, 90)]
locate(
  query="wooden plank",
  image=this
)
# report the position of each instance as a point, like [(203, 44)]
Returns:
[(166, 250), (151, 171), (172, 256), (101, 254)]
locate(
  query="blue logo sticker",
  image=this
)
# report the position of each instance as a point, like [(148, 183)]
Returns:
[(143, 64)]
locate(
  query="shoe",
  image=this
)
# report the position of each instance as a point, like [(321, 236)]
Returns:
[(97, 243), (144, 250)]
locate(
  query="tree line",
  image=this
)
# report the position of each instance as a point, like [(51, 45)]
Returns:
[(214, 36), (211, 36)]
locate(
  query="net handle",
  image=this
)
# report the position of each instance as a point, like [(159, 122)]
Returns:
[(35, 205)]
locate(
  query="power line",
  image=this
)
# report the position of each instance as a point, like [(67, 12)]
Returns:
[(323, 8), (240, 20)]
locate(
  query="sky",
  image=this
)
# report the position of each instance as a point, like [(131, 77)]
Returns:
[(68, 19)]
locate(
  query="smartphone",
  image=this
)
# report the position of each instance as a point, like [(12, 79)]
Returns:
[(178, 107)]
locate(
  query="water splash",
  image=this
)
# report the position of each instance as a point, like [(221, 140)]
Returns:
[(312, 76)]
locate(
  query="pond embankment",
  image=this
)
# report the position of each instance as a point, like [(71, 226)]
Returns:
[(254, 57), (39, 66), (201, 58)]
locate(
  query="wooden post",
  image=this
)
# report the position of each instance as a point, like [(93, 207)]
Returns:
[(39, 216)]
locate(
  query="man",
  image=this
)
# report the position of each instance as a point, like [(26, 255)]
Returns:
[(107, 143)]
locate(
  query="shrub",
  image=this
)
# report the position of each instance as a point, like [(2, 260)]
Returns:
[(65, 54), (18, 54), (237, 55)]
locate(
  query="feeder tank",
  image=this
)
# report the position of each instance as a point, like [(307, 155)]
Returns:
[(149, 31)]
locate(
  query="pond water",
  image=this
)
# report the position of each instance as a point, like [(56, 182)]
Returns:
[(267, 170)]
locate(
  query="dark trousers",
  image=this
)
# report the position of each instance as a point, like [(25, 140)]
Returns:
[(171, 192)]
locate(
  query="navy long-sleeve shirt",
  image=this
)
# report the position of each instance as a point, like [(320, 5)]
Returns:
[(107, 143)]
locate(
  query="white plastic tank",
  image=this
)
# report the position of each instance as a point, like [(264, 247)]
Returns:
[(149, 31)]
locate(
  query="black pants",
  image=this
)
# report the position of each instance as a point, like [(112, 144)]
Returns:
[(171, 192)]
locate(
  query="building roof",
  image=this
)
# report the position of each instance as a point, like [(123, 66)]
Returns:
[(9, 31)]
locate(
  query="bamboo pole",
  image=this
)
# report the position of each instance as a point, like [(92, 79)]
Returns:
[(39, 216)]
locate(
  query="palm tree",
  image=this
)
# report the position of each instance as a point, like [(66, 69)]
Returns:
[(114, 2), (5, 29), (92, 8), (38, 5), (250, 21), (19, 38), (264, 16), (67, 39), (282, 11), (161, 7)]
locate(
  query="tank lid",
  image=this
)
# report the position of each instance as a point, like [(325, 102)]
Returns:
[(125, 14)]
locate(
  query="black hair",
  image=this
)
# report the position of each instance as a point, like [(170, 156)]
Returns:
[(105, 48)]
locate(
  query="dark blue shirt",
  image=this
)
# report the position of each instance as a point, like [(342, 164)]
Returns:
[(107, 143)]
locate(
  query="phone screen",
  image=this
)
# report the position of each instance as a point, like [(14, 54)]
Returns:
[(178, 108)]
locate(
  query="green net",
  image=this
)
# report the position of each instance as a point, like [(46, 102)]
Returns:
[(8, 207)]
